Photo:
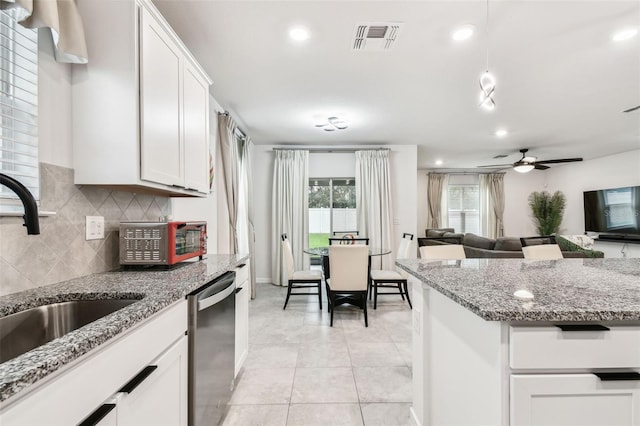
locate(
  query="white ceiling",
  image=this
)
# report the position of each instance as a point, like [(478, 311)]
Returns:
[(561, 81)]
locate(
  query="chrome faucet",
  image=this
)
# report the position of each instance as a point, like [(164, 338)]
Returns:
[(29, 203)]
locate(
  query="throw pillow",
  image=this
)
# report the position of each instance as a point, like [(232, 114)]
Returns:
[(473, 240), (508, 244)]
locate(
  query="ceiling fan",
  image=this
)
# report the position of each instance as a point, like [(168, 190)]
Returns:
[(526, 164)]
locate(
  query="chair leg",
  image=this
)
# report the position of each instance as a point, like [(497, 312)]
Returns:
[(288, 295), (364, 304), (375, 295), (406, 290), (331, 308), (400, 291), (370, 288), (320, 294)]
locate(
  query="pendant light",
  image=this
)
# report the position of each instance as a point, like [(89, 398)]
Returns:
[(487, 80)]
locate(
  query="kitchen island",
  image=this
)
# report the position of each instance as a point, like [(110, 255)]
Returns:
[(568, 355), (160, 310)]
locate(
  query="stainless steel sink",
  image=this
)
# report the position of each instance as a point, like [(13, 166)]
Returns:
[(26, 330)]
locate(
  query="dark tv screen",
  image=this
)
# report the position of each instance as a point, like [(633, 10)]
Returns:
[(613, 211)]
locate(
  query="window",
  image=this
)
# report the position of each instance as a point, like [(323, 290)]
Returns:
[(463, 204), (19, 102), (332, 208)]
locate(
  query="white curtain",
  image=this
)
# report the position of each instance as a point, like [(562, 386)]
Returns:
[(373, 202), (290, 207), (437, 195), (62, 18), (231, 173), (244, 224), (491, 189)]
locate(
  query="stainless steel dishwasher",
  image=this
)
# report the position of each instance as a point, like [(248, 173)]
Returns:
[(211, 350)]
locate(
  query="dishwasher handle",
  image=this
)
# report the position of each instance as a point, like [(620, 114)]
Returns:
[(216, 298)]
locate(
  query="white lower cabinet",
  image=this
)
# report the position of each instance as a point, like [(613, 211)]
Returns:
[(573, 400), (243, 288), (89, 391), (161, 398)]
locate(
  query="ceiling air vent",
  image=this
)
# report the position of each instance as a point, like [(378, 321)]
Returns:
[(377, 36)]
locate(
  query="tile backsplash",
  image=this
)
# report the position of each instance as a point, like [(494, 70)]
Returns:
[(61, 252)]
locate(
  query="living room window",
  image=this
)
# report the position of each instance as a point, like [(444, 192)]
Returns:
[(19, 104), (463, 204)]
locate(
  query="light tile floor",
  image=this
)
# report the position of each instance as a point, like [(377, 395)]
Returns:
[(300, 371)]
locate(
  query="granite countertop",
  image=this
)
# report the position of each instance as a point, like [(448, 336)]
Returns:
[(155, 289), (564, 290)]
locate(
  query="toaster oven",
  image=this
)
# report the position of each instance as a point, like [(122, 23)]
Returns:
[(161, 243)]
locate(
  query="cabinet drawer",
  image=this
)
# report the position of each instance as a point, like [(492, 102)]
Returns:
[(550, 347), (573, 399), (242, 274)]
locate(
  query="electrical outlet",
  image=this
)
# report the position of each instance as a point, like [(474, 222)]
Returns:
[(94, 228)]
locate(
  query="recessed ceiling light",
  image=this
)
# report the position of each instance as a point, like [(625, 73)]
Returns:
[(438, 162), (625, 34), (463, 32), (501, 133), (299, 33)]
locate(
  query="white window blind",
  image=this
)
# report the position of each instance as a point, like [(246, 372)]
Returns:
[(19, 103)]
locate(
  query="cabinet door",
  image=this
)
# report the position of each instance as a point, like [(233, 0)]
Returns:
[(160, 138), (161, 399), (196, 130), (573, 399), (242, 318)]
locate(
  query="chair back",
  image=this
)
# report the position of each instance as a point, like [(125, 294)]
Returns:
[(443, 252), (349, 240), (287, 253), (534, 241), (403, 249), (349, 267), (341, 234), (542, 252)]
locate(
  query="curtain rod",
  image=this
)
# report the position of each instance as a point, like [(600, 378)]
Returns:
[(466, 173), (330, 150), (242, 134)]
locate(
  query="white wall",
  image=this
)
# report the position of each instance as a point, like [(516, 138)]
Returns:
[(403, 167)]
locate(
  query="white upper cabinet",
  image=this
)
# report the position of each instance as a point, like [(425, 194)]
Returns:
[(141, 104)]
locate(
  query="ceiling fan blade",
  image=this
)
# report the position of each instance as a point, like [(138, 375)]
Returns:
[(561, 160), (496, 165), (632, 109), (540, 167)]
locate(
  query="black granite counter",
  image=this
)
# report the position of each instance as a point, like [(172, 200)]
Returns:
[(563, 290), (155, 289)]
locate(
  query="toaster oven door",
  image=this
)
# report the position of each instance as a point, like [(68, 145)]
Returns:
[(190, 241)]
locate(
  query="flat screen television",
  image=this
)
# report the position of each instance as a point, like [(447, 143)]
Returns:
[(613, 211)]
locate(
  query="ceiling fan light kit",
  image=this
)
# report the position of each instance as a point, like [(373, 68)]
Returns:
[(523, 167)]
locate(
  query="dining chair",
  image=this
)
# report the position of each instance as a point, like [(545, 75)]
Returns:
[(349, 277), (299, 279), (349, 240), (542, 252), (395, 279), (443, 252)]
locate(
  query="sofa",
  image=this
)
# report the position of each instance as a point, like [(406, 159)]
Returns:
[(479, 247)]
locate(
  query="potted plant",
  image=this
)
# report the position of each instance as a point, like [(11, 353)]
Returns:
[(547, 211)]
